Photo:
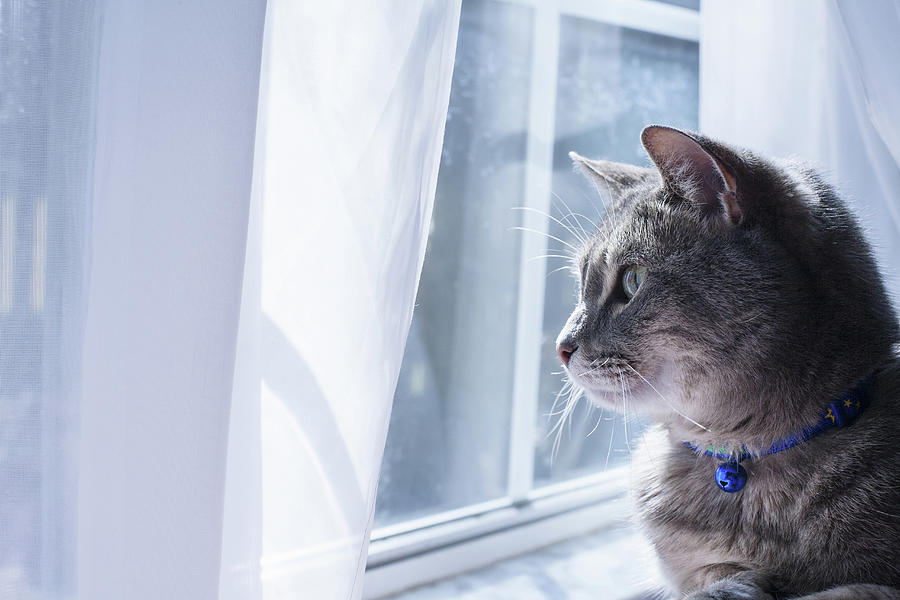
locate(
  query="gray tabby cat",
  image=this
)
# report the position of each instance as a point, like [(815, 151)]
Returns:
[(737, 299)]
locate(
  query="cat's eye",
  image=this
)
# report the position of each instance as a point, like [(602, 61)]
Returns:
[(632, 279)]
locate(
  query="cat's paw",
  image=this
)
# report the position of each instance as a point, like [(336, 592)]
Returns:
[(730, 590)]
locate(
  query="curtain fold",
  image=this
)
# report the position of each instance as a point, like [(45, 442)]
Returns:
[(176, 113), (818, 81), (353, 100)]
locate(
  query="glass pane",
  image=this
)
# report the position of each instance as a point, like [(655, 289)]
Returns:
[(449, 433), (611, 83)]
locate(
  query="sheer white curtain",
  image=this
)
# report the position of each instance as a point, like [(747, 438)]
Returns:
[(820, 81), (352, 107), (169, 419), (176, 112), (46, 118)]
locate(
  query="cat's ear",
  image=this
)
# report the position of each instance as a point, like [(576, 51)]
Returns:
[(700, 176), (610, 176)]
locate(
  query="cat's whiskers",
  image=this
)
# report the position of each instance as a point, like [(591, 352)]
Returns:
[(547, 235), (597, 424), (625, 412), (601, 219), (542, 256), (629, 409), (612, 436), (600, 366), (575, 216), (568, 390), (666, 400), (597, 226), (567, 384), (569, 267), (571, 401), (583, 238), (569, 387)]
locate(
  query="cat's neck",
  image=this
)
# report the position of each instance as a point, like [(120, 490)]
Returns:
[(757, 421), (840, 412)]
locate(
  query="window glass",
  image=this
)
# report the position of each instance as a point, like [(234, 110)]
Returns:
[(611, 82), (448, 440), (449, 437)]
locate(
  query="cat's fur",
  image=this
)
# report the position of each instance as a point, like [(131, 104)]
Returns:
[(762, 304)]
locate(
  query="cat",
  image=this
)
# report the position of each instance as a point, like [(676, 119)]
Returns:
[(737, 299)]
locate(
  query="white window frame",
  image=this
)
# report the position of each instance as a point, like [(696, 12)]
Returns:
[(414, 552)]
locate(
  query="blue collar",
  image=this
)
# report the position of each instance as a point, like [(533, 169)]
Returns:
[(731, 476)]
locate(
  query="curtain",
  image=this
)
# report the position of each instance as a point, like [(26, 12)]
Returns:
[(818, 81), (177, 88), (212, 222), (47, 110), (352, 107)]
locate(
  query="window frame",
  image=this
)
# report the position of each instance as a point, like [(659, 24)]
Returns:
[(418, 551)]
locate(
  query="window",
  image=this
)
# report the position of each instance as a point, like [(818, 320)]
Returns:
[(611, 82), (469, 434), (454, 397)]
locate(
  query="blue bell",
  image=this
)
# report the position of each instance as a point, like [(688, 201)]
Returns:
[(731, 477)]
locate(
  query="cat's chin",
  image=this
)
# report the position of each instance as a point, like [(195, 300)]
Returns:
[(630, 391), (618, 394), (642, 384), (606, 399), (642, 402)]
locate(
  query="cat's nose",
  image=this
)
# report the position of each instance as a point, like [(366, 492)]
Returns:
[(565, 352)]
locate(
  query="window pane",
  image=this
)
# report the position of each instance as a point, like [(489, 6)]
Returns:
[(611, 83), (449, 433)]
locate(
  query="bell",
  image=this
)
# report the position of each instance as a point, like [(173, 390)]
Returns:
[(731, 477)]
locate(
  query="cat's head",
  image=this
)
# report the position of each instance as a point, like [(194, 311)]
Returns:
[(722, 288)]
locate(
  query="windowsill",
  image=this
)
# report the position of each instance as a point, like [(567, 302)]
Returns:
[(416, 553), (613, 563)]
